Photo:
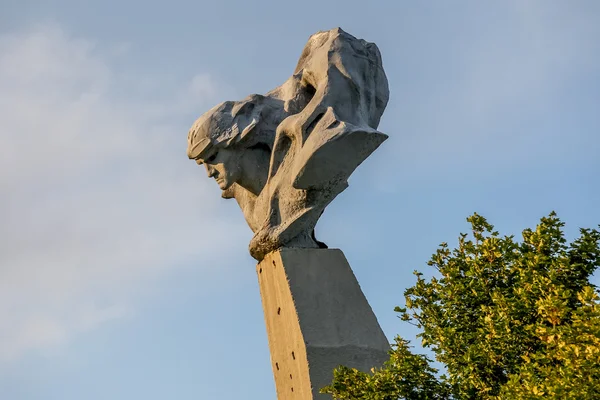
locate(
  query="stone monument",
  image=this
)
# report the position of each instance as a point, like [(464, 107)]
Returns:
[(284, 156)]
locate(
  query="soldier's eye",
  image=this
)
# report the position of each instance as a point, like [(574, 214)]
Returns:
[(212, 158)]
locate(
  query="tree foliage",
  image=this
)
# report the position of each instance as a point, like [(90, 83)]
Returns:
[(507, 319)]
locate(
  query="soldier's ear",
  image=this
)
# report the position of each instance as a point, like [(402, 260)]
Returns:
[(249, 106), (248, 115), (241, 109), (249, 128)]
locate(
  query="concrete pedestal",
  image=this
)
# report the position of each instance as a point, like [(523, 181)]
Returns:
[(317, 318)]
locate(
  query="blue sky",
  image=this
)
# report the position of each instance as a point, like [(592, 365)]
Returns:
[(122, 272)]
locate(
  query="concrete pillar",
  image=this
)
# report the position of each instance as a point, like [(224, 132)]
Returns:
[(317, 318)]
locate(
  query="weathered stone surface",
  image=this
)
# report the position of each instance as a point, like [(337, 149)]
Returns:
[(317, 318), (284, 156)]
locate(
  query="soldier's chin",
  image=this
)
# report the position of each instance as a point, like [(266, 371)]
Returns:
[(223, 185)]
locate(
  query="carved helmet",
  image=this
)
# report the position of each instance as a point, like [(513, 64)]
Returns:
[(243, 122)]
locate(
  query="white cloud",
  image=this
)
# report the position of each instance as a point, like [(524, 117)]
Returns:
[(35, 331), (97, 194)]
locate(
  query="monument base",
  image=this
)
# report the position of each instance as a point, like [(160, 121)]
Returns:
[(317, 319)]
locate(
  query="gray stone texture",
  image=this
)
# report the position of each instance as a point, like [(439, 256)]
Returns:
[(284, 156), (317, 318)]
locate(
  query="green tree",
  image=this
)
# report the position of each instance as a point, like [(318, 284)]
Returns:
[(507, 319)]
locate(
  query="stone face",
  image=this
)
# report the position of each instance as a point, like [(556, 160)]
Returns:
[(317, 318), (284, 156)]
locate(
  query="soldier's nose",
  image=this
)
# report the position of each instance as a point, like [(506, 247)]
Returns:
[(210, 170)]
